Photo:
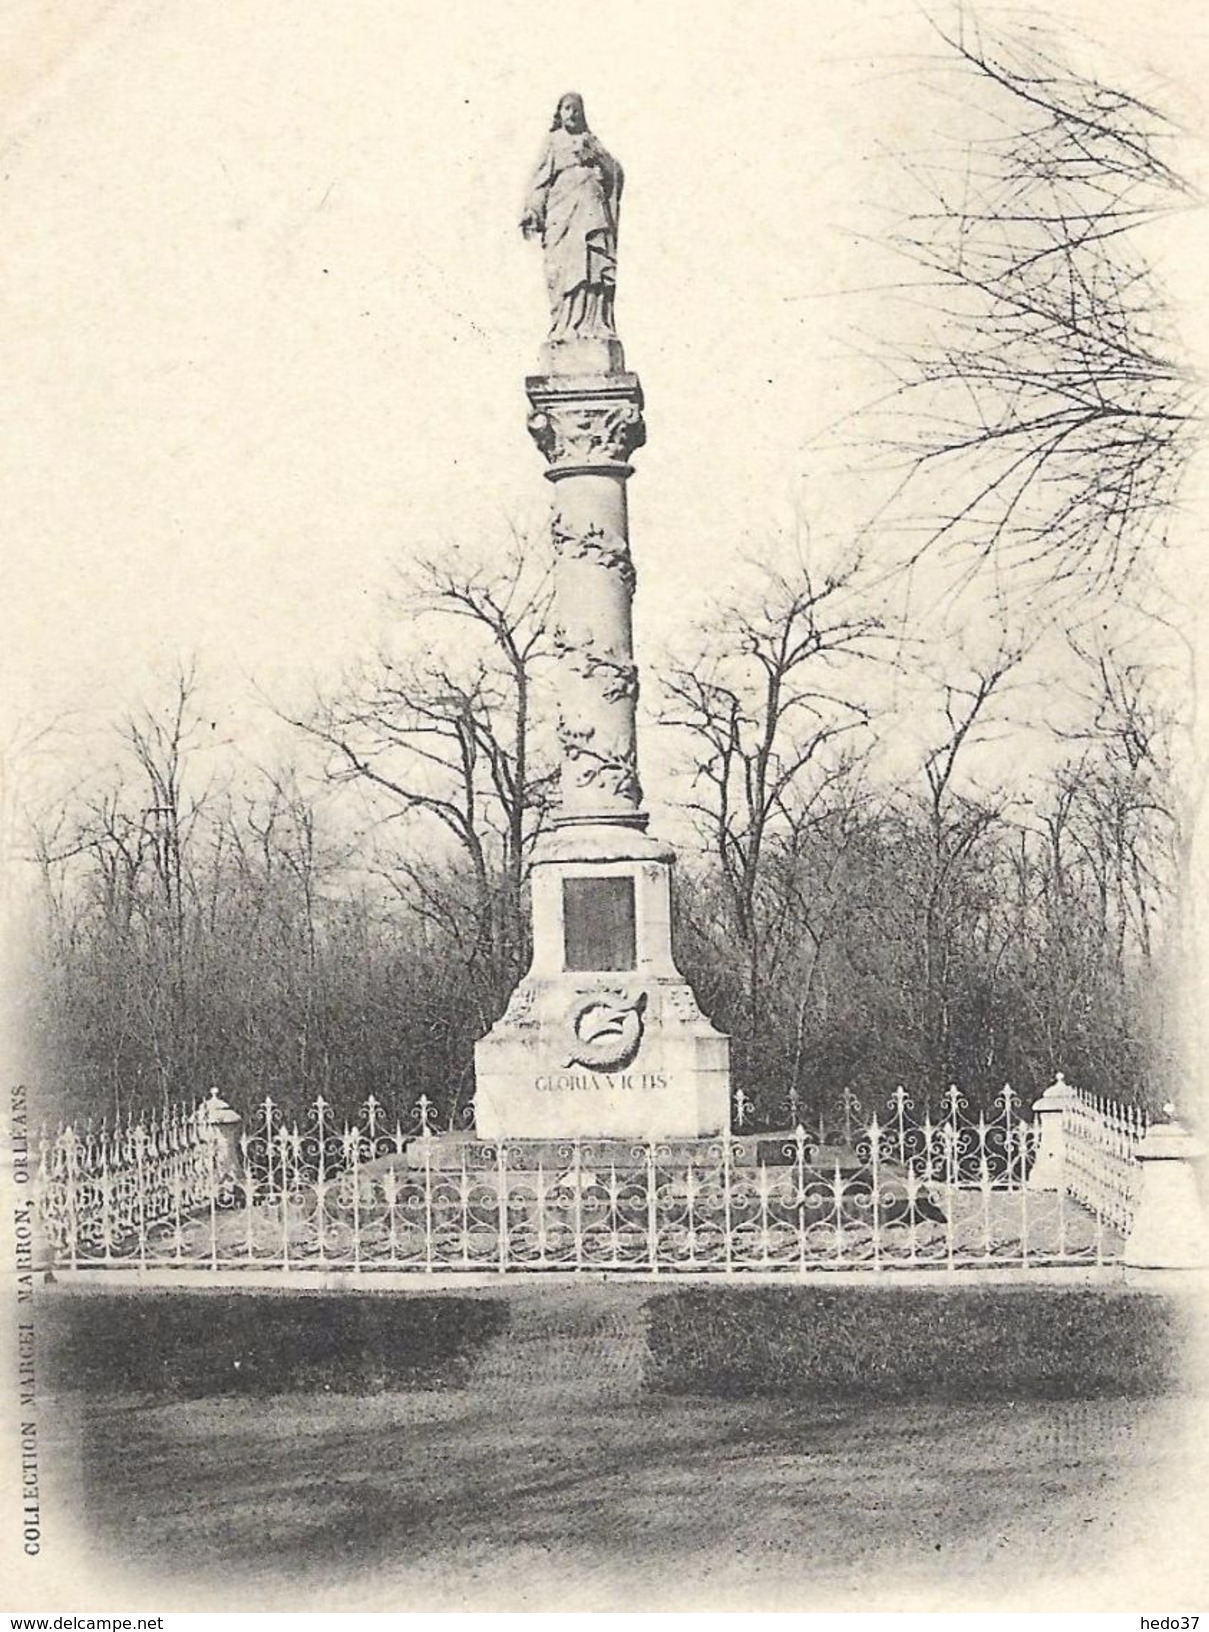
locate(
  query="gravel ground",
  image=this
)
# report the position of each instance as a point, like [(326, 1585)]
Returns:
[(551, 1477)]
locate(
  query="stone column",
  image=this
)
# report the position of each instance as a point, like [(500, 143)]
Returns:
[(587, 427), (603, 1036)]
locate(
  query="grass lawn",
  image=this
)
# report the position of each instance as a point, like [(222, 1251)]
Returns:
[(581, 1446), (980, 1343)]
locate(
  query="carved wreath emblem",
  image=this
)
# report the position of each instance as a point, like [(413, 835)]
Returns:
[(605, 1028)]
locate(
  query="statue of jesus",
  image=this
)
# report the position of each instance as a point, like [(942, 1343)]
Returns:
[(572, 207)]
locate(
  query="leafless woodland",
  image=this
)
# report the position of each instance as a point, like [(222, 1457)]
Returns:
[(906, 857)]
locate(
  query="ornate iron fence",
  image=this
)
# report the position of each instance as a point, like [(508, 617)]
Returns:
[(949, 1188), (100, 1189), (1099, 1144)]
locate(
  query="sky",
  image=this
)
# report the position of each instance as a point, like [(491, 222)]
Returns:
[(267, 313)]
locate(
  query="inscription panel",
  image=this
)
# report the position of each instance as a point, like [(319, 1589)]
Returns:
[(599, 930)]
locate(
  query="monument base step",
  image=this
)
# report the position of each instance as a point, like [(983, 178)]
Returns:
[(443, 1152)]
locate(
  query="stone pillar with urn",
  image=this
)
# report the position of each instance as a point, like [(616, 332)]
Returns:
[(603, 1036)]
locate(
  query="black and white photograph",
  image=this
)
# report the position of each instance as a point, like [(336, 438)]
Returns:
[(601, 783)]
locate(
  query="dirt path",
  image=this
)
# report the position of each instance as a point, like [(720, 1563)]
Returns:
[(585, 1344), (551, 1477)]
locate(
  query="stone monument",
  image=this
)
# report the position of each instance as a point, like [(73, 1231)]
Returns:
[(603, 1036)]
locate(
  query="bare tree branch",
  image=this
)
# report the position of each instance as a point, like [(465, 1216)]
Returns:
[(1049, 413)]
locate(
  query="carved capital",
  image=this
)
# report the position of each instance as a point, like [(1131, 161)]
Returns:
[(596, 424)]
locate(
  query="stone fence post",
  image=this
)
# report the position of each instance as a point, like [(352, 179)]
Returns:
[(1169, 1226), (220, 1127), (1050, 1112)]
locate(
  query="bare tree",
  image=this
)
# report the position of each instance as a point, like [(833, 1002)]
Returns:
[(1115, 841), (1049, 414), (442, 730), (1127, 798), (772, 720), (129, 846), (957, 819)]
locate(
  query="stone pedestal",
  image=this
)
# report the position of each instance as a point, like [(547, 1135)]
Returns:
[(603, 1037), (1048, 1170), (1169, 1226), (220, 1126)]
